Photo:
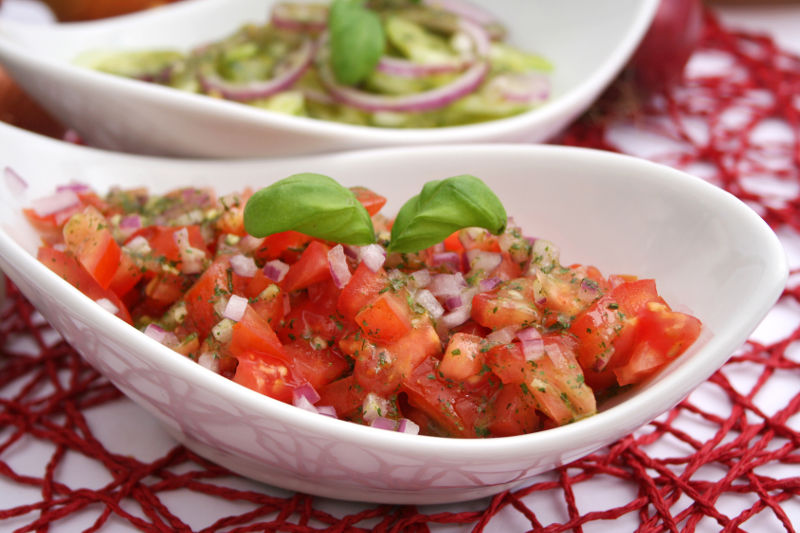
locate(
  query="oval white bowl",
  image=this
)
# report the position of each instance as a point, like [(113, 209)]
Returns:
[(588, 41), (708, 252)]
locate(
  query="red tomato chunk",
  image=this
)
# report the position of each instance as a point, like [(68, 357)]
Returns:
[(479, 336)]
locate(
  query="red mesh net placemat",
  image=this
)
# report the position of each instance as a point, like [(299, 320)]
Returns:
[(725, 459)]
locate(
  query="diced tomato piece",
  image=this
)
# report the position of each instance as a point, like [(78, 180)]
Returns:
[(512, 414), (269, 303), (510, 304), (312, 267), (597, 328), (372, 201), (453, 411), (267, 376), (557, 383), (507, 362), (345, 395), (252, 334), (453, 243), (66, 266), (633, 296), (286, 246), (317, 366), (386, 319), (88, 237), (163, 245), (661, 335), (418, 344), (210, 287), (165, 289), (127, 275), (507, 269), (462, 358), (363, 287)]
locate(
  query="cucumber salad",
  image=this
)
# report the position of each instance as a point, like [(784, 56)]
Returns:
[(384, 63)]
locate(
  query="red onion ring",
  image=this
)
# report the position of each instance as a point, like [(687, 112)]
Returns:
[(243, 92), (301, 18), (436, 98)]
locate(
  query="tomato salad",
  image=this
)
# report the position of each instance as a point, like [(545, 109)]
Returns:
[(480, 335)]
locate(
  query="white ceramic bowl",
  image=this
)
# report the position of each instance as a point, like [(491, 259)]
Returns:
[(706, 249), (589, 41)]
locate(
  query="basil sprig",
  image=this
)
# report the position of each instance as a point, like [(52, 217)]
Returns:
[(320, 207), (443, 207), (356, 38), (312, 204)]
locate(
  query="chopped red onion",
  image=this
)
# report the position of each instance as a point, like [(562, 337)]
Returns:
[(14, 181), (275, 270), (407, 426), (303, 403), (192, 259), (235, 308), (373, 405), (210, 361), (243, 265), (450, 259), (447, 284), (131, 222), (480, 260), (138, 246), (381, 422), (453, 302), (373, 255), (306, 391), (243, 92), (327, 410), (426, 299), (337, 262), (75, 187), (588, 291), (456, 317), (155, 332), (108, 305), (502, 336), (420, 278), (489, 284), (54, 203), (248, 243), (532, 343)]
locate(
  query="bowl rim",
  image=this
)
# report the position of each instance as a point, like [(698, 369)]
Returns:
[(564, 104), (665, 394)]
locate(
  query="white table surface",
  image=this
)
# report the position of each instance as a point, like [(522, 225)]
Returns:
[(124, 428)]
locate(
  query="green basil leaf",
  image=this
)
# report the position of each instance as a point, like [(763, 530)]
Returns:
[(443, 207), (357, 40), (312, 204)]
